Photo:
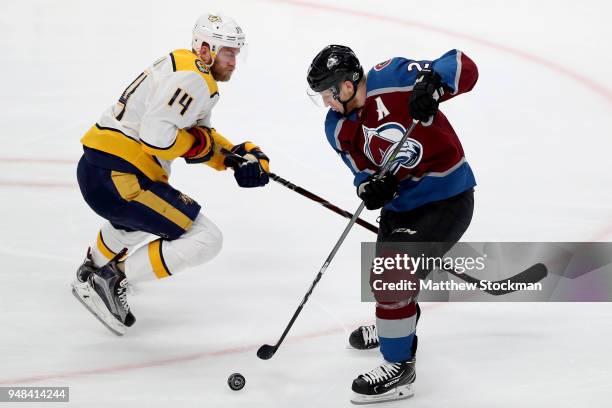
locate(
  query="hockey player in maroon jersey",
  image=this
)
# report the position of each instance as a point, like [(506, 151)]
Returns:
[(426, 197)]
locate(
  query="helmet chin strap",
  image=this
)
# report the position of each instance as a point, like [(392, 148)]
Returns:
[(213, 55), (345, 103)]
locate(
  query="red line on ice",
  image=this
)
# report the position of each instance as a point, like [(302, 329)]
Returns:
[(177, 359), (558, 68), (186, 357)]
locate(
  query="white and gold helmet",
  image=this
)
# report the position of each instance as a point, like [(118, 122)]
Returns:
[(217, 31)]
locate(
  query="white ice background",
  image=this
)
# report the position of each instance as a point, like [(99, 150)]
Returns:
[(536, 130)]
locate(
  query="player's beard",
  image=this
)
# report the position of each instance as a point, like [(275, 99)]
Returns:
[(221, 75)]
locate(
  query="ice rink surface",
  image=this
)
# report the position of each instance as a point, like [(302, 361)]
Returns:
[(536, 130)]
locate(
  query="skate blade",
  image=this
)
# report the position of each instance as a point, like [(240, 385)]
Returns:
[(398, 393), (349, 347), (91, 300)]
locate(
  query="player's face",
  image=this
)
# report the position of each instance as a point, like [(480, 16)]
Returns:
[(332, 98), (225, 63), (329, 101), (345, 93)]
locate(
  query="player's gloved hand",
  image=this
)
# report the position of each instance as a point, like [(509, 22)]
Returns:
[(376, 192), (427, 90), (203, 146), (253, 171)]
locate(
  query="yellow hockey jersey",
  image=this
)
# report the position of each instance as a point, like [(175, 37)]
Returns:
[(145, 128)]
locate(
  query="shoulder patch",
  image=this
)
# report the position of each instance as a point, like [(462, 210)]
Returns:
[(201, 67), (395, 75), (185, 60), (382, 65)]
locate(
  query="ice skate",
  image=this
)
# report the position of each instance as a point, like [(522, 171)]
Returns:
[(104, 295), (364, 338), (85, 269), (388, 382)]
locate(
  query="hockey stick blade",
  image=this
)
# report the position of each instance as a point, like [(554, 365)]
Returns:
[(266, 351), (533, 274)]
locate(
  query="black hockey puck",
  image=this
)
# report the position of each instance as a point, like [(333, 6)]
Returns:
[(236, 381)]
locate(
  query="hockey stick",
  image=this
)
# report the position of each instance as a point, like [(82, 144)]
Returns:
[(303, 192), (266, 351), (533, 274)]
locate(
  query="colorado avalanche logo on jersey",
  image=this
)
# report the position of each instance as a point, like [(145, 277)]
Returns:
[(382, 65), (380, 143)]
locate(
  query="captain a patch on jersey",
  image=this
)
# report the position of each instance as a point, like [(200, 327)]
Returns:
[(380, 142)]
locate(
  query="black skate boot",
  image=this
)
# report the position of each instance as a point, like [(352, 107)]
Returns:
[(87, 268), (364, 338), (388, 382), (104, 294)]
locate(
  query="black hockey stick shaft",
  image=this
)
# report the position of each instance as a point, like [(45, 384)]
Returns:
[(531, 275), (266, 351), (323, 202), (308, 194)]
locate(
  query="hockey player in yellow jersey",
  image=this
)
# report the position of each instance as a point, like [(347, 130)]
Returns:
[(163, 115)]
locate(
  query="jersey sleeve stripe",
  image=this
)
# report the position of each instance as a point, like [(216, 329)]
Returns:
[(439, 173), (337, 132), (116, 143), (181, 144), (350, 162), (381, 91), (157, 147), (115, 130), (458, 72), (173, 62)]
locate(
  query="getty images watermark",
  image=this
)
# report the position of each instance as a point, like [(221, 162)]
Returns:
[(485, 271), (460, 265)]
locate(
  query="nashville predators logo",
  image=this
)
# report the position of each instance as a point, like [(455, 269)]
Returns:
[(200, 65), (380, 143), (214, 19), (186, 199)]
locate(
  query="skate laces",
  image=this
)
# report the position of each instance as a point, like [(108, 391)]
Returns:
[(369, 334), (122, 294), (382, 373)]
